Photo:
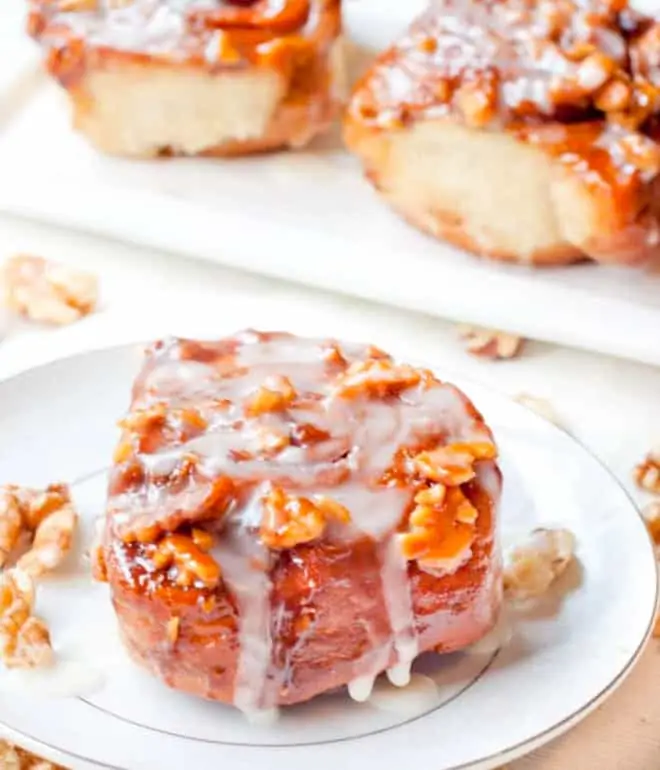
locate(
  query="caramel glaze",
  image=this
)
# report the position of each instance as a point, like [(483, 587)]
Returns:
[(579, 79), (285, 625), (294, 37)]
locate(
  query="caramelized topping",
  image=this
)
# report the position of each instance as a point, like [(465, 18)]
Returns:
[(289, 520), (266, 438)]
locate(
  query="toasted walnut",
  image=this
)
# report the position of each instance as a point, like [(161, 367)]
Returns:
[(48, 516), (440, 535), (534, 565), (377, 378), (289, 520), (541, 406), (191, 561), (275, 395), (452, 465), (651, 514), (52, 542), (24, 639), (647, 473), (333, 355), (490, 343), (47, 292)]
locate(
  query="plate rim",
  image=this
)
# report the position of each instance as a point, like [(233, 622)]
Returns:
[(56, 754)]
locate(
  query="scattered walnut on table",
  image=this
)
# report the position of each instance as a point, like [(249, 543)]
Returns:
[(534, 565), (647, 473), (47, 291), (47, 516), (490, 343)]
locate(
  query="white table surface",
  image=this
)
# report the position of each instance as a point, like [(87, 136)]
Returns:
[(612, 406)]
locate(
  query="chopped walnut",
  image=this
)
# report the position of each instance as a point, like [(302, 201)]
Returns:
[(453, 465), (275, 395), (378, 378), (52, 542), (24, 639), (191, 561), (541, 406), (647, 473), (490, 343), (47, 516), (651, 515), (440, 535), (289, 520), (47, 292), (535, 565)]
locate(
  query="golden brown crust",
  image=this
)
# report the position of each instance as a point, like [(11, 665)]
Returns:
[(576, 81)]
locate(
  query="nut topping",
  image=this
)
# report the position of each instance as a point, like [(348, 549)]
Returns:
[(440, 536), (452, 465), (377, 378), (275, 395), (289, 520), (190, 560)]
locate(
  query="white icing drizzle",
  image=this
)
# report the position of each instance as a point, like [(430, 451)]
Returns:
[(420, 695), (396, 593), (244, 563), (361, 687)]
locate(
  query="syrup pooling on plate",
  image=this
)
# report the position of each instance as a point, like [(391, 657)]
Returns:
[(270, 443)]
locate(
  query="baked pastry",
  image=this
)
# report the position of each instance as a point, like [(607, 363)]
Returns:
[(522, 130), (287, 516), (212, 77)]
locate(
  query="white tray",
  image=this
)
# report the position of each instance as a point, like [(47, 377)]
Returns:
[(307, 217)]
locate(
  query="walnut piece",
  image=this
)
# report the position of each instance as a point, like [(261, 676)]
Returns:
[(440, 529), (188, 555), (647, 473), (275, 395), (24, 639), (490, 343), (377, 378), (453, 464), (47, 292), (47, 516), (289, 520), (534, 565)]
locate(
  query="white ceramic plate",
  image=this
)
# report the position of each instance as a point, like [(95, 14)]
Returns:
[(471, 710), (319, 222)]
